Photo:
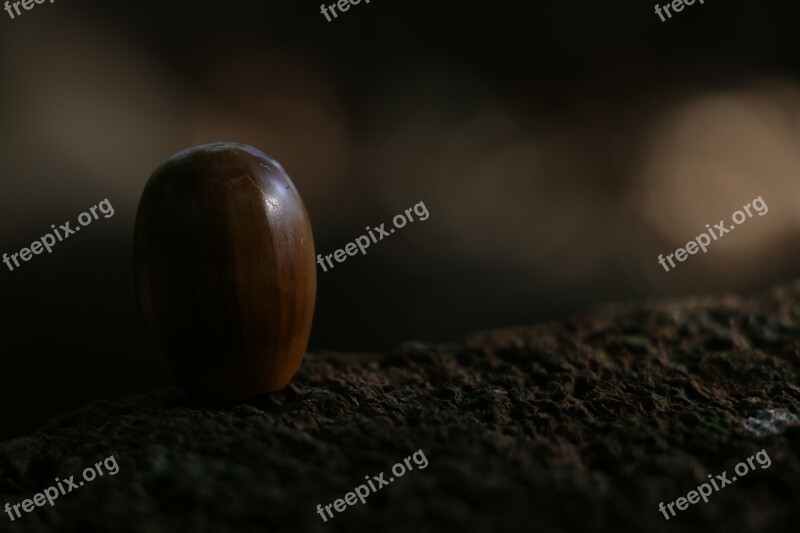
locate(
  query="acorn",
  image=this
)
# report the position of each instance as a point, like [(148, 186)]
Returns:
[(225, 271)]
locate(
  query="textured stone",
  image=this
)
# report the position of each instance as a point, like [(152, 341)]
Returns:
[(579, 425)]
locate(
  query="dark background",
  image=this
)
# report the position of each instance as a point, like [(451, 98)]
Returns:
[(558, 146)]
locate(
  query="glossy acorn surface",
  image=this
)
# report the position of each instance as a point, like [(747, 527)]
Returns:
[(225, 271)]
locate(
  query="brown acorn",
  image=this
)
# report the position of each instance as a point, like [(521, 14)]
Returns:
[(225, 272)]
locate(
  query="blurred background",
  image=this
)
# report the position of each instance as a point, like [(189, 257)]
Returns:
[(558, 146)]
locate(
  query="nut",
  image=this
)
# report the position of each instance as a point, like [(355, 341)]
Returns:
[(225, 272)]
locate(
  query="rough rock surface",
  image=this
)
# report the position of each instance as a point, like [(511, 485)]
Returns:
[(579, 425)]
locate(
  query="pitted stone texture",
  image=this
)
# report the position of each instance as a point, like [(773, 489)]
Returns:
[(579, 425)]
